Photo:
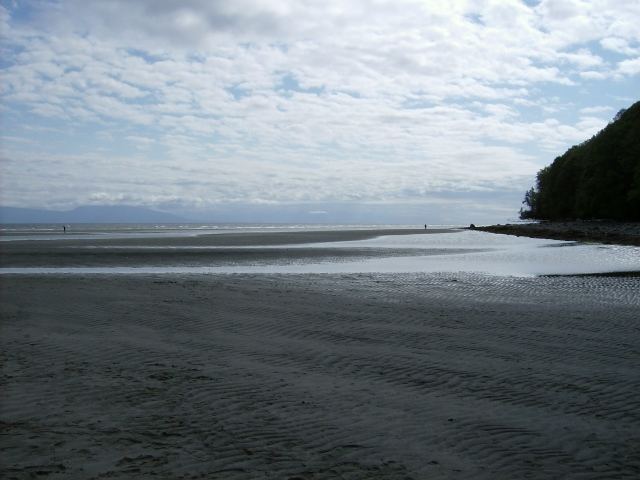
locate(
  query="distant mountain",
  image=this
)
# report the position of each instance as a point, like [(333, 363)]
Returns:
[(89, 214), (598, 179)]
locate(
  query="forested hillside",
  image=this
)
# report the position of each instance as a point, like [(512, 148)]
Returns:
[(598, 179)]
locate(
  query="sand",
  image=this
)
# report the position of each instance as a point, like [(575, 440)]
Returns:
[(262, 248), (316, 377)]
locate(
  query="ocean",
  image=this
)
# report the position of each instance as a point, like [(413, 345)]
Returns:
[(185, 249), (44, 231)]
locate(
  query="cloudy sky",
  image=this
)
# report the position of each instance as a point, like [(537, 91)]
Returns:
[(405, 111)]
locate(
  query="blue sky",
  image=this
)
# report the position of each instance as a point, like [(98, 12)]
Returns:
[(372, 110)]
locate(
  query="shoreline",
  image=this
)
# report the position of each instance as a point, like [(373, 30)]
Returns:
[(617, 233), (305, 252), (209, 249), (229, 239)]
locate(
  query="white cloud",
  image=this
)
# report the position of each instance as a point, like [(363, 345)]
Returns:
[(595, 110), (618, 45), (583, 58), (275, 101), (629, 67), (594, 75)]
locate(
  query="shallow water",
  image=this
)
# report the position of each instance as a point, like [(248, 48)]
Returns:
[(492, 254), (19, 232)]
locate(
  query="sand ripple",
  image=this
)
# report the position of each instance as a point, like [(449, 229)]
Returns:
[(315, 377)]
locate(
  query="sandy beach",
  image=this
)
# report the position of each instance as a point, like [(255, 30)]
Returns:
[(217, 249), (314, 376), (320, 376), (284, 240)]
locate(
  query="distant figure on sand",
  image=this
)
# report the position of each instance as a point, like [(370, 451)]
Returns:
[(64, 228), (425, 226)]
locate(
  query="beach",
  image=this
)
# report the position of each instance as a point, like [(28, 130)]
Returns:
[(284, 240), (610, 232), (216, 249), (315, 376)]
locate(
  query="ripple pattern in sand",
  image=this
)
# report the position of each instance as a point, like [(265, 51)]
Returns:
[(310, 377)]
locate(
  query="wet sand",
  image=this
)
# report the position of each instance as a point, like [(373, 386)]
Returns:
[(320, 376), (222, 249)]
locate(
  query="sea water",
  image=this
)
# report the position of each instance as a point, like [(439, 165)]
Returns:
[(88, 231), (461, 251)]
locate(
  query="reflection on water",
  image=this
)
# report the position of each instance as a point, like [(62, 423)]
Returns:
[(88, 231), (499, 255)]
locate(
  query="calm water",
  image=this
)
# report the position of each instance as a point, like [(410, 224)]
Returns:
[(500, 255), (463, 251)]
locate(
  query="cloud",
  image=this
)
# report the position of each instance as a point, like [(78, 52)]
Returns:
[(595, 110), (276, 101), (594, 75), (629, 67), (618, 45)]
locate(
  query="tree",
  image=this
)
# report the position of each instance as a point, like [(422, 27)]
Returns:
[(531, 202), (599, 178)]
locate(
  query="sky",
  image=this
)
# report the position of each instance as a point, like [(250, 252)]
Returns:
[(400, 111)]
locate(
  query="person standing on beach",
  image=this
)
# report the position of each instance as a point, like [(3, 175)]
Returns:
[(425, 226)]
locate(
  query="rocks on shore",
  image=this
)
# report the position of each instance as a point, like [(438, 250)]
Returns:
[(622, 233)]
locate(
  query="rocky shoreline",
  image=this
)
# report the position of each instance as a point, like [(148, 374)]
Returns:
[(620, 233)]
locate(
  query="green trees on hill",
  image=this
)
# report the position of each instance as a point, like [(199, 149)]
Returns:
[(598, 179)]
